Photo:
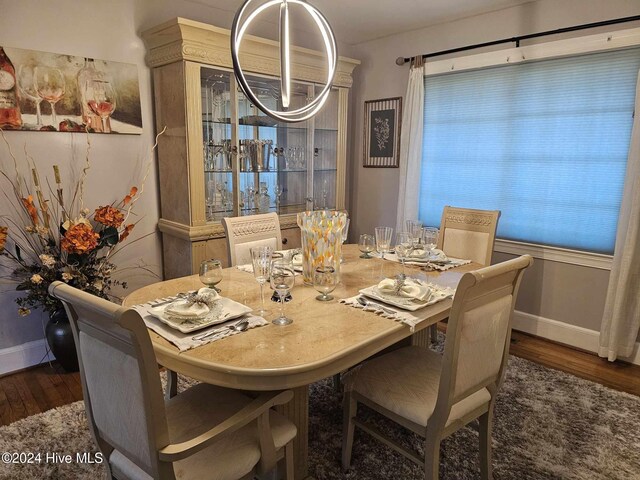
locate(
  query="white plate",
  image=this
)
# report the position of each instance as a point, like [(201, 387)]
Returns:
[(224, 310), (402, 302)]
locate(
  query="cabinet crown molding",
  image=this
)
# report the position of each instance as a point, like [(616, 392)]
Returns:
[(181, 39)]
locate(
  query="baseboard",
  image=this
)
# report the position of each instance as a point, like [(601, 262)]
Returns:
[(572, 335), (22, 356)]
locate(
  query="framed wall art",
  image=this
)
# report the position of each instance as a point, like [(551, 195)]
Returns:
[(382, 122), (53, 92)]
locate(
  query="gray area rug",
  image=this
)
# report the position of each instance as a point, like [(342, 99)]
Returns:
[(548, 425)]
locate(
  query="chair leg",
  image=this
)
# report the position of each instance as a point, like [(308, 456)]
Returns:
[(350, 408), (433, 333), (431, 457), (288, 457), (172, 384), (337, 387), (486, 425)]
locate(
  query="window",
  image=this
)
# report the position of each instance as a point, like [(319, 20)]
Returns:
[(545, 143)]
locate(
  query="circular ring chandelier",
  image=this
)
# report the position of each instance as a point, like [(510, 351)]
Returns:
[(244, 16)]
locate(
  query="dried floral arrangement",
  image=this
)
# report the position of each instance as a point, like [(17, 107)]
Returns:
[(47, 237)]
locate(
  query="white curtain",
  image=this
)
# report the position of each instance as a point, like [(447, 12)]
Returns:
[(411, 146), (621, 320)]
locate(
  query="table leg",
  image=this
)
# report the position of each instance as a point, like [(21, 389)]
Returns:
[(297, 410), (172, 385)]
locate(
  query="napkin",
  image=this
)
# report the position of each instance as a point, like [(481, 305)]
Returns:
[(437, 255), (194, 306), (408, 289)]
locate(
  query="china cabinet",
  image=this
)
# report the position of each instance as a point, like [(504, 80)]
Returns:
[(222, 157)]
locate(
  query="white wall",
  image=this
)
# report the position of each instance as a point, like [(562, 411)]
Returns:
[(572, 295)]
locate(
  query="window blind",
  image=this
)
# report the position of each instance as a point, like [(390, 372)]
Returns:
[(545, 143)]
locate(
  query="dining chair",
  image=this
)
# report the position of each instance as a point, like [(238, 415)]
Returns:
[(468, 234), (204, 432), (249, 231), (464, 233), (434, 395)]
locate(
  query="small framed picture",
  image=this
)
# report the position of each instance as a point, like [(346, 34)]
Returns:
[(382, 122)]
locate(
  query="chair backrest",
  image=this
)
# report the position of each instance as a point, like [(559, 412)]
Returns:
[(243, 233), (468, 234), (479, 332), (120, 379)]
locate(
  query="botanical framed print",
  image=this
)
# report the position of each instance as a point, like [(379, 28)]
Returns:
[(382, 122)]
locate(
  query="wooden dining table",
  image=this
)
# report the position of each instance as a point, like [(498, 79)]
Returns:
[(324, 339)]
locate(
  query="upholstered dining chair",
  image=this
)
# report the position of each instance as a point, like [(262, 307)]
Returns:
[(464, 233), (435, 395), (204, 432), (468, 234), (251, 231)]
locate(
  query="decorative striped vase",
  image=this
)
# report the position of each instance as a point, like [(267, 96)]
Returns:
[(321, 233)]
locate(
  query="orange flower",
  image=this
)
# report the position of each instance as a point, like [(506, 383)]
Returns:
[(31, 209), (4, 232), (126, 231), (132, 193), (109, 216), (80, 238)]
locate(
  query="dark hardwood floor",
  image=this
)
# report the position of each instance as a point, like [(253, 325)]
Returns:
[(47, 386)]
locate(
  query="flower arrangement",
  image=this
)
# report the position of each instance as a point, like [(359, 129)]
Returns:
[(47, 238)]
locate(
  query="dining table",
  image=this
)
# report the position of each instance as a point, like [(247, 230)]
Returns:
[(325, 338)]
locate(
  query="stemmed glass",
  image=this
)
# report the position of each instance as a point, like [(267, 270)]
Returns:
[(277, 190), (324, 281), (50, 86), (27, 86), (404, 245), (261, 260), (282, 281), (102, 102), (383, 240), (366, 244), (429, 239), (211, 273)]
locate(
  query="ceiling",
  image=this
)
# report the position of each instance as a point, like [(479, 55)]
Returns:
[(357, 21)]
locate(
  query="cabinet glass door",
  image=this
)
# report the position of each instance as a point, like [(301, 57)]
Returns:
[(325, 153), (273, 156), (218, 148)]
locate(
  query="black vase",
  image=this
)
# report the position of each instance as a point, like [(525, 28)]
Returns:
[(60, 339)]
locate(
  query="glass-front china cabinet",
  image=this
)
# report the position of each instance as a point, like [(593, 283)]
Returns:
[(222, 157)]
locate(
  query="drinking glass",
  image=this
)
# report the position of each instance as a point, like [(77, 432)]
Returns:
[(414, 227), (102, 102), (404, 245), (429, 239), (324, 281), (282, 281), (211, 273), (261, 260), (366, 244), (27, 86), (383, 240), (50, 85)]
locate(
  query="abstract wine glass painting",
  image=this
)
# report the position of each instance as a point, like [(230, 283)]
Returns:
[(54, 92)]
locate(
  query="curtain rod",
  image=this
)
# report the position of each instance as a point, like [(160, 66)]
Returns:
[(517, 40)]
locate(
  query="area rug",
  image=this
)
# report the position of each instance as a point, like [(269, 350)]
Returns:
[(548, 425)]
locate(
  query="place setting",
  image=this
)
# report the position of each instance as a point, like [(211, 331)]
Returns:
[(400, 298), (416, 246), (195, 318)]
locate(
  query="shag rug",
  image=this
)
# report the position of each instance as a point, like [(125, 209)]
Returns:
[(548, 425)]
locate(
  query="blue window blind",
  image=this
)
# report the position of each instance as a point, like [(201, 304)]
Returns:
[(545, 143)]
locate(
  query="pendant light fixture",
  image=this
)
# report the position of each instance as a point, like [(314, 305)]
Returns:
[(247, 13)]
